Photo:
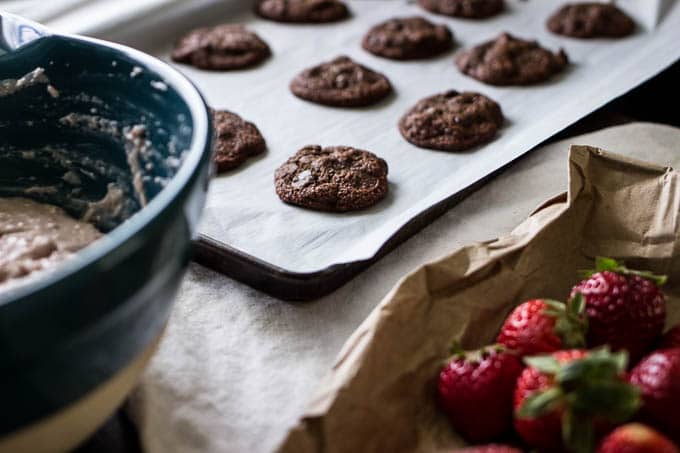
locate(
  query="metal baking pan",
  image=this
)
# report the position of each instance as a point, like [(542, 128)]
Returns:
[(297, 254)]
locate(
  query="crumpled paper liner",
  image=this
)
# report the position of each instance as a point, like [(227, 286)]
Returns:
[(380, 395)]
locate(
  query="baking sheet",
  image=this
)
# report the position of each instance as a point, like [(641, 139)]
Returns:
[(243, 210)]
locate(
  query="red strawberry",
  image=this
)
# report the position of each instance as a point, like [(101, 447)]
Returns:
[(625, 308), (560, 397), (475, 390), (671, 339), (636, 438), (658, 377), (540, 325), (491, 448)]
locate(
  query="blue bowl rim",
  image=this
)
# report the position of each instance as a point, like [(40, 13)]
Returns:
[(200, 141)]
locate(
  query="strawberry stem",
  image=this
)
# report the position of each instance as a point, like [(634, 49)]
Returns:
[(571, 323), (578, 432), (610, 264), (456, 349)]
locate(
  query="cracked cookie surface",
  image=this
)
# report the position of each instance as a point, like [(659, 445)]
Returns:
[(408, 38), (235, 140), (470, 9), (508, 60), (452, 121), (302, 11), (333, 178), (224, 47), (591, 20), (341, 82)]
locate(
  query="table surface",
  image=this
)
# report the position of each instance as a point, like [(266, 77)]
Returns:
[(272, 354), (237, 367)]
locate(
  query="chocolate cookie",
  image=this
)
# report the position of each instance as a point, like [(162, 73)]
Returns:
[(511, 61), (470, 9), (302, 11), (408, 38), (235, 140), (341, 83), (591, 20), (335, 178), (221, 48), (452, 121)]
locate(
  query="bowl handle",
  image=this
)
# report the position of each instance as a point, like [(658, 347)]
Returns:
[(16, 31)]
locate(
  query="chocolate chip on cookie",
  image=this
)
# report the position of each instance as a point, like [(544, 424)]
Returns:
[(235, 140), (591, 20), (335, 178), (342, 83), (302, 11), (470, 9), (408, 38), (221, 48), (508, 60), (452, 121)]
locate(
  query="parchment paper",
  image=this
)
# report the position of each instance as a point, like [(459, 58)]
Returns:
[(243, 210), (380, 395)]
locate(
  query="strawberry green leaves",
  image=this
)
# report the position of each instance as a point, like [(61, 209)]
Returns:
[(609, 264), (582, 391), (571, 322)]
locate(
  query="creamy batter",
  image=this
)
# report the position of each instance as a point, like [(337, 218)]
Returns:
[(35, 237)]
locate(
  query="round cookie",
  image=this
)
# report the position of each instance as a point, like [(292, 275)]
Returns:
[(408, 38), (235, 140), (302, 11), (591, 20), (341, 83), (223, 47), (508, 60), (452, 121), (469, 9), (335, 178)]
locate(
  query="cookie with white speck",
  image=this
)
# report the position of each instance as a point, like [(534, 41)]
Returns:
[(334, 178)]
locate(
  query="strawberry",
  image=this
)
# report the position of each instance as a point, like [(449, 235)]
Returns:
[(561, 398), (636, 438), (625, 308), (658, 377), (542, 325), (491, 448), (475, 390), (671, 339)]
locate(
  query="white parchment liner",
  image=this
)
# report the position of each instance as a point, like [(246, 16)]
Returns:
[(244, 212)]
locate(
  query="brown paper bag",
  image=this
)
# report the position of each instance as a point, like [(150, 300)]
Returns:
[(380, 395)]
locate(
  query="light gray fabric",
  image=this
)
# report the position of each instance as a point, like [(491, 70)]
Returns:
[(236, 367)]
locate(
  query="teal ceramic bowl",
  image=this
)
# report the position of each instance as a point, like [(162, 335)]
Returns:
[(73, 342)]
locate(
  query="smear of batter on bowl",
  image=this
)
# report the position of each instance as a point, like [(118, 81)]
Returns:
[(11, 86), (35, 77), (35, 237), (134, 139)]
